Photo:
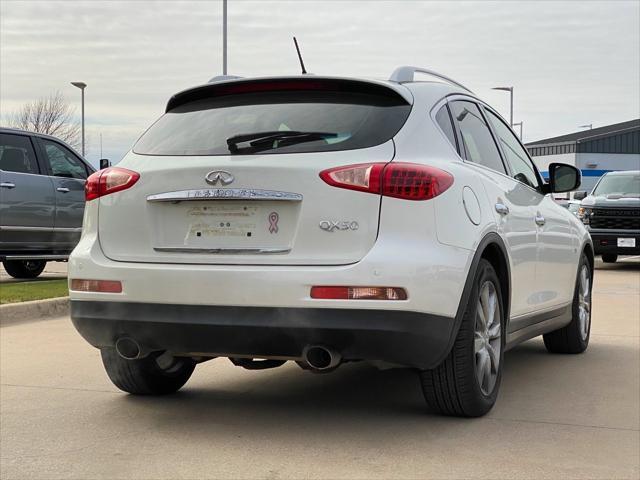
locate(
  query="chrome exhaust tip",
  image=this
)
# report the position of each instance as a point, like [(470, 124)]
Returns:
[(129, 349), (320, 358)]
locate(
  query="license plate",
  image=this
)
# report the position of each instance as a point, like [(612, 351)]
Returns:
[(223, 220), (627, 242)]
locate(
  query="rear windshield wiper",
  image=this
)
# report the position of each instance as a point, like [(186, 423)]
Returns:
[(265, 140)]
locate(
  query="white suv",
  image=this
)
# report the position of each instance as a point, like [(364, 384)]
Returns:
[(326, 220)]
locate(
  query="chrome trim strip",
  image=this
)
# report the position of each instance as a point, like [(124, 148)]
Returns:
[(36, 257), (15, 228), (223, 251), (12, 228), (224, 194)]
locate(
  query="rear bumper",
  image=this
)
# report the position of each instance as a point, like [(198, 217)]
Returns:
[(433, 275), (401, 337), (607, 242)]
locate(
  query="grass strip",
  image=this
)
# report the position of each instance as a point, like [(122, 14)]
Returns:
[(36, 290)]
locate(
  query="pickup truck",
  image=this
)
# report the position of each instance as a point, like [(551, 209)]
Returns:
[(611, 213), (41, 200)]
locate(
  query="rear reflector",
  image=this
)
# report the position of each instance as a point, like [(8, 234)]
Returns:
[(408, 181), (102, 286), (358, 293), (109, 180)]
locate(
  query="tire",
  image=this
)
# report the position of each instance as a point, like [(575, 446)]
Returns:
[(609, 257), (24, 268), (574, 338), (145, 376), (454, 387)]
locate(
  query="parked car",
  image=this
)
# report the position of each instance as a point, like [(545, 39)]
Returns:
[(41, 200), (325, 220), (612, 214)]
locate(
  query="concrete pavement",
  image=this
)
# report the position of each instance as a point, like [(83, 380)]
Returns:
[(556, 417)]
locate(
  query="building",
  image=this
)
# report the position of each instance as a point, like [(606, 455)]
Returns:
[(595, 152)]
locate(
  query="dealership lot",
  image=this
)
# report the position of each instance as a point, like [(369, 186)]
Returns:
[(571, 416)]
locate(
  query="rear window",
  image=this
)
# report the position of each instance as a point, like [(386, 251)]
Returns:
[(316, 122)]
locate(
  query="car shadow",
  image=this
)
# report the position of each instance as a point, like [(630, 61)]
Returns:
[(353, 389), (354, 394), (622, 264)]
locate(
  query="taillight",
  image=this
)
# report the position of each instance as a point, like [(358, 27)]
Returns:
[(358, 293), (408, 181), (109, 180)]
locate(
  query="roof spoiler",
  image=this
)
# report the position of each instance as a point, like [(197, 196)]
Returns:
[(231, 85)]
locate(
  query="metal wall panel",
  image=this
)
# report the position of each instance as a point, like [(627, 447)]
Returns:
[(628, 142)]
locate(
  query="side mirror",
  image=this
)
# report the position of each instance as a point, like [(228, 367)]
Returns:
[(563, 177), (580, 195), (104, 163)]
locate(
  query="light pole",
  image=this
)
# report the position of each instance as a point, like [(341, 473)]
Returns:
[(81, 86), (520, 125), (510, 90), (224, 37)]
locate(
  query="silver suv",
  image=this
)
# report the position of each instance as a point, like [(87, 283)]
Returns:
[(41, 200)]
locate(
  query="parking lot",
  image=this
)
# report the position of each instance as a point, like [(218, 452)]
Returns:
[(556, 416)]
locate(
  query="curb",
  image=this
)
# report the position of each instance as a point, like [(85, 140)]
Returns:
[(14, 313)]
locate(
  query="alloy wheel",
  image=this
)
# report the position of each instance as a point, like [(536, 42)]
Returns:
[(584, 302), (487, 338)]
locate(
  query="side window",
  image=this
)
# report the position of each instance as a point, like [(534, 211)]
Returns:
[(476, 137), (521, 166), (63, 163), (444, 121), (17, 154)]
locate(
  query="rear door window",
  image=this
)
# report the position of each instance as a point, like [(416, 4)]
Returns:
[(522, 168), (477, 140), (276, 122), (17, 154), (62, 161)]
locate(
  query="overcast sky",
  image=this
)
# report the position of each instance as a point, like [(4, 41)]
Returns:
[(571, 63)]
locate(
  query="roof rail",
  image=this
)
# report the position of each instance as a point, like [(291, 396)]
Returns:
[(406, 73), (223, 78)]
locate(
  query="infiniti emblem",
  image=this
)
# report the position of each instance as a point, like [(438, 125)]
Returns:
[(225, 178)]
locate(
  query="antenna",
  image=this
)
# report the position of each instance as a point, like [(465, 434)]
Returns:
[(304, 70)]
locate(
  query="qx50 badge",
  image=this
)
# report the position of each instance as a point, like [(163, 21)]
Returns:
[(330, 225), (225, 178)]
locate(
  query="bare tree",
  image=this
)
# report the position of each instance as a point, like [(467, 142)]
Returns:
[(51, 115)]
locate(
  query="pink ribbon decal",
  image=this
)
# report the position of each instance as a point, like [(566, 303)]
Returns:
[(273, 222)]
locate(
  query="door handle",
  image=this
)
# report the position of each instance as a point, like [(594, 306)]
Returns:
[(540, 221), (62, 189), (7, 185), (502, 209)]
